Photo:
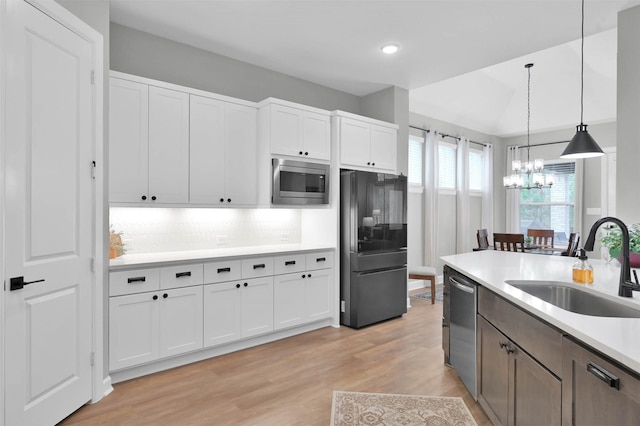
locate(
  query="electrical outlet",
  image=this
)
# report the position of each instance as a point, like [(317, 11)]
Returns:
[(221, 240), (284, 236)]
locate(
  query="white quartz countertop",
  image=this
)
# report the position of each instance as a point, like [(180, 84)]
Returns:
[(130, 261), (619, 338)]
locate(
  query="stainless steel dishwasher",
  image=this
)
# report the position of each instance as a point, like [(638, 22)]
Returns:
[(463, 306)]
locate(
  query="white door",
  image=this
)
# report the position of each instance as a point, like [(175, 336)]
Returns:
[(285, 131), (318, 303), (289, 299), (48, 239), (257, 306), (180, 320), (241, 173), (222, 313), (383, 148), (316, 134), (355, 143)]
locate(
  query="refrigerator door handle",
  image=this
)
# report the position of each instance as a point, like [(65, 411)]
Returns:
[(377, 271), (461, 286)]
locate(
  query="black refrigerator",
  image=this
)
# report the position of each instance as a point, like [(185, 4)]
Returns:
[(373, 247)]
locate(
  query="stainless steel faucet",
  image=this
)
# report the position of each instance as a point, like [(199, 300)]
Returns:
[(626, 286)]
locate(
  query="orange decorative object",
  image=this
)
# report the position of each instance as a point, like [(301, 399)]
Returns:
[(116, 248)]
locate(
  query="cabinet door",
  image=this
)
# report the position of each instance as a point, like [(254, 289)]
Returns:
[(318, 286), (128, 141), (206, 150), (257, 306), (289, 300), (241, 160), (493, 383), (222, 313), (536, 394), (133, 330), (589, 392), (316, 136), (285, 131), (355, 143), (168, 146), (180, 320), (383, 148)]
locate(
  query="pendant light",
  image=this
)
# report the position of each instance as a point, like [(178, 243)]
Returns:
[(582, 145), (530, 176)]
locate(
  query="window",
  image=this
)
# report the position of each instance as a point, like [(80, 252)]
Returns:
[(551, 208), (475, 175), (416, 148), (447, 166)]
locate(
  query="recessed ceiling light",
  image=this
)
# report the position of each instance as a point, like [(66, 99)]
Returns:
[(390, 48)]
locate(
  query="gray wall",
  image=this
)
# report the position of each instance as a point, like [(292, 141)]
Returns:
[(628, 150), (139, 53)]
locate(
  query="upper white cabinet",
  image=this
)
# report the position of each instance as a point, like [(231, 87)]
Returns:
[(148, 144), (223, 143), (366, 144), (295, 130)]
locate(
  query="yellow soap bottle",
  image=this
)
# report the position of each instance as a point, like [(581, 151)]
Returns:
[(582, 269)]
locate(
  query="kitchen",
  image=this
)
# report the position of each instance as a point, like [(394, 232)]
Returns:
[(127, 36)]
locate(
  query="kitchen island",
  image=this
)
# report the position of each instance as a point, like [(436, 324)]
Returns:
[(535, 360)]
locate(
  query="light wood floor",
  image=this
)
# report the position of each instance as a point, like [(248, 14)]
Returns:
[(290, 382)]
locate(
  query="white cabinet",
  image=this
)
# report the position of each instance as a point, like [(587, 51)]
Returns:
[(295, 130), (147, 326), (148, 144), (223, 144), (366, 144), (302, 297)]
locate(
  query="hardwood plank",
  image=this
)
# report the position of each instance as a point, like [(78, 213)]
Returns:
[(291, 381)]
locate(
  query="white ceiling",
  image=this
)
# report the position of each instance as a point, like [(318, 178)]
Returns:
[(448, 58)]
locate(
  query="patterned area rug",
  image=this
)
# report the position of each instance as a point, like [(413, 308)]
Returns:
[(427, 295), (356, 408)]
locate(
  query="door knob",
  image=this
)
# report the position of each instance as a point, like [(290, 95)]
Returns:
[(16, 283)]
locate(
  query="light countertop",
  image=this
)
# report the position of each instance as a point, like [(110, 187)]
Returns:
[(619, 338), (149, 260)]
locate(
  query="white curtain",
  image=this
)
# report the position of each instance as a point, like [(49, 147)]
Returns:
[(513, 202), (431, 191), (463, 202), (487, 190)]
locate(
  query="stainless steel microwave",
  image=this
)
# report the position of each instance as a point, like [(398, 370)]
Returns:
[(299, 182)]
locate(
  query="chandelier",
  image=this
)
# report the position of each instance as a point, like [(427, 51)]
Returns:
[(528, 175)]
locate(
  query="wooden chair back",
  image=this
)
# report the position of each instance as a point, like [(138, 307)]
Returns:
[(483, 239), (541, 237), (572, 247), (508, 242)]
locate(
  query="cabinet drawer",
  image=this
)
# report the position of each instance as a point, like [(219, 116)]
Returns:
[(218, 272), (537, 338), (289, 263), (319, 260), (180, 276), (137, 281), (257, 267)]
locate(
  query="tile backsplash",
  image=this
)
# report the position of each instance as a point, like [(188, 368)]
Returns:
[(153, 230)]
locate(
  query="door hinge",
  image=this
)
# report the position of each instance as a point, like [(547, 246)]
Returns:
[(343, 307), (92, 358), (93, 169), (93, 77), (93, 264)]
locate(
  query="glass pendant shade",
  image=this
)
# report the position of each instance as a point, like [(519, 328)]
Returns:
[(538, 164), (582, 145), (516, 165)]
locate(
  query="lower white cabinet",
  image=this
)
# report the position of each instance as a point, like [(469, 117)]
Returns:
[(147, 326), (237, 309), (300, 298)]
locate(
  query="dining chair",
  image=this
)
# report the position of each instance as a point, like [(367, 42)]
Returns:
[(483, 239), (508, 242), (541, 237), (572, 247)]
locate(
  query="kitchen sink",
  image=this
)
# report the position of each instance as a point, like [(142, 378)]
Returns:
[(570, 298)]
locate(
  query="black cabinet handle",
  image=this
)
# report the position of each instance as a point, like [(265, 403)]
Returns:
[(237, 285), (155, 297), (503, 344), (373, 164), (259, 266), (304, 276), (136, 280), (144, 198), (228, 200), (309, 275), (222, 200), (300, 153), (220, 270), (153, 198), (604, 375), (321, 259), (368, 163), (290, 262), (306, 153), (164, 296), (246, 284), (183, 274)]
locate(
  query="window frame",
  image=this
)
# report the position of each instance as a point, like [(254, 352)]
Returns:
[(476, 192), (448, 190)]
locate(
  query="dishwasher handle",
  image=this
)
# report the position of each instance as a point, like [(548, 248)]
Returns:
[(461, 287)]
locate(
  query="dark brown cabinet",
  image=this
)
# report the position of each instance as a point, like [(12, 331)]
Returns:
[(597, 391)]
